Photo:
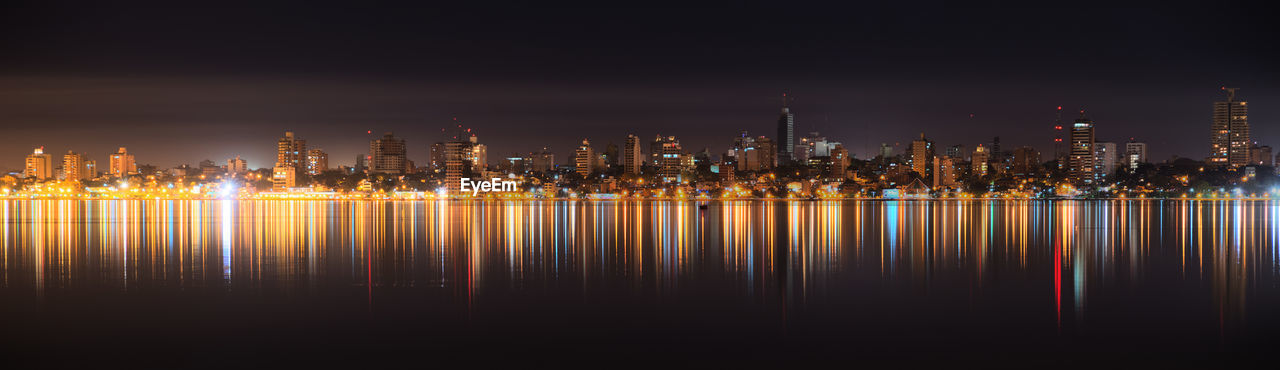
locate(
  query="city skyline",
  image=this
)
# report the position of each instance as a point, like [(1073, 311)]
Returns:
[(900, 147), (534, 77)]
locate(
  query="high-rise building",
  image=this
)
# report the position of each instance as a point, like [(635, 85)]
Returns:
[(996, 154), (91, 168), (39, 165), (1026, 161), (786, 134), (317, 162), (955, 151), (583, 158), (362, 163), (921, 156), (73, 167), (292, 152), (673, 161), (237, 165), (754, 153), (1229, 141), (478, 155), (655, 151), (436, 159), (632, 159), (1083, 167), (121, 164), (543, 161), (1135, 154), (944, 172), (726, 173), (455, 162), (979, 161), (1260, 155), (840, 160), (1105, 158), (610, 155), (388, 155)]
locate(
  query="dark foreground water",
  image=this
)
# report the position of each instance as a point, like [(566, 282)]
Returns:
[(300, 283)]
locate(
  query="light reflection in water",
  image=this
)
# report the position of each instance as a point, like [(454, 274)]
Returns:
[(802, 251)]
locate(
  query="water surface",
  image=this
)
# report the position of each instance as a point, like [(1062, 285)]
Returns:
[(219, 282)]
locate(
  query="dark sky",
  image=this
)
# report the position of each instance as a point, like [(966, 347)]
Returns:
[(177, 83)]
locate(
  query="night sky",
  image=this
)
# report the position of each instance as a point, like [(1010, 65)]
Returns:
[(180, 83)]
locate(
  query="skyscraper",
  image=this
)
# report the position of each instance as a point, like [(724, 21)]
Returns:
[(121, 164), (786, 134), (317, 161), (478, 155), (583, 158), (388, 155), (362, 163), (436, 160), (979, 160), (73, 167), (1082, 158), (632, 159), (839, 161), (1135, 154), (655, 151), (922, 156), (1106, 157), (1260, 155), (944, 172), (291, 152), (455, 158), (1229, 141), (543, 161), (1026, 161), (39, 165), (610, 155), (672, 160)]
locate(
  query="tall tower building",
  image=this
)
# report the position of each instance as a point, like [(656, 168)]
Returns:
[(632, 159), (582, 158), (1106, 157), (39, 165), (387, 155), (786, 140), (121, 164), (291, 152), (979, 161), (944, 171), (73, 167), (672, 161), (1229, 141), (1082, 157), (317, 162), (455, 156), (543, 161), (655, 151), (1135, 154), (921, 156), (1026, 161), (478, 155)]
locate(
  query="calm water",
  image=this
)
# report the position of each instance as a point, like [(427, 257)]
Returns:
[(218, 282)]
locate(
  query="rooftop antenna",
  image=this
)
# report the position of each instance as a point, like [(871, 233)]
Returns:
[(1057, 133)]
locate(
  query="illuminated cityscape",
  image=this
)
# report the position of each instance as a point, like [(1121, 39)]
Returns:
[(511, 184), (761, 167)]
